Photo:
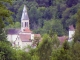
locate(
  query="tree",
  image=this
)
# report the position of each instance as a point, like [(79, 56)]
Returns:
[(36, 41), (77, 31), (71, 3), (45, 48), (55, 41), (62, 53), (76, 51), (6, 52), (55, 26), (4, 12)]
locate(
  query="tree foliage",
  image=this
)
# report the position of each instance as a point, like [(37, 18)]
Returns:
[(77, 31), (45, 48)]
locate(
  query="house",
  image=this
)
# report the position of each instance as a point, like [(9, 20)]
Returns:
[(23, 37)]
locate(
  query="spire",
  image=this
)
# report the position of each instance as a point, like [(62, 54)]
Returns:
[(24, 19), (25, 14)]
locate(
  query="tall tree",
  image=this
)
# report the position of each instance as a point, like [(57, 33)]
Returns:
[(45, 48), (77, 31), (4, 12)]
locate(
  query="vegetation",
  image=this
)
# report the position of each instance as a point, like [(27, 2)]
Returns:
[(76, 36), (45, 15)]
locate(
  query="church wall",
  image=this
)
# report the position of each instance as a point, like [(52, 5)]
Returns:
[(32, 36), (11, 37), (71, 34), (18, 43), (25, 44)]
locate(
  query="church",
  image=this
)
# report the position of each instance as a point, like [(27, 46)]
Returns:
[(22, 37)]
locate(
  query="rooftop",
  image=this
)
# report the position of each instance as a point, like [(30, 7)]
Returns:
[(25, 14), (25, 37), (13, 31), (71, 28)]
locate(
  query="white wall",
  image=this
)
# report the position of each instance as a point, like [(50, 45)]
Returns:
[(71, 34), (23, 26), (11, 37), (25, 44), (32, 36), (18, 43)]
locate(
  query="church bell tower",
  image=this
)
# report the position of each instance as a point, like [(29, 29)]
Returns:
[(24, 19)]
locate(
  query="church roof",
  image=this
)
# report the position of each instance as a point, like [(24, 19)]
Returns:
[(27, 30), (71, 28), (25, 14), (25, 37), (62, 39), (13, 31)]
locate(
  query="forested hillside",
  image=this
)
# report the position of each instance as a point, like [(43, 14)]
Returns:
[(46, 15)]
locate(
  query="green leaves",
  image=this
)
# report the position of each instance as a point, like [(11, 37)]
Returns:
[(77, 31), (45, 48)]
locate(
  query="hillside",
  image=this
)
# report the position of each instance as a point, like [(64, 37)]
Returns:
[(46, 15)]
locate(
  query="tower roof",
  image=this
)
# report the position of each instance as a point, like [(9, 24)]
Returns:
[(25, 14), (26, 30)]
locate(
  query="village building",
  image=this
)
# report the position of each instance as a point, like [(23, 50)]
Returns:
[(23, 37), (71, 33)]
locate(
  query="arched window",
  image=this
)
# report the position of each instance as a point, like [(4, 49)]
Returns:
[(26, 24)]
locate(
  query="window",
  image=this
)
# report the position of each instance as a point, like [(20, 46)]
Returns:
[(26, 24)]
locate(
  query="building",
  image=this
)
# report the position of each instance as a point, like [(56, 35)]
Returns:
[(71, 32), (23, 37)]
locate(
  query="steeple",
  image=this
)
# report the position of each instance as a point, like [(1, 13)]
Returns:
[(24, 19), (25, 14)]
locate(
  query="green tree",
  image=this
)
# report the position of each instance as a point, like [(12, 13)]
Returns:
[(55, 41), (77, 31), (62, 53), (6, 52), (4, 12), (55, 25), (45, 48), (76, 51)]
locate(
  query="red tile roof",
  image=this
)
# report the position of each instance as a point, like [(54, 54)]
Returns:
[(25, 37), (27, 30), (62, 39)]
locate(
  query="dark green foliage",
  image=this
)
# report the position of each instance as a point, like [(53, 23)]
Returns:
[(71, 3), (45, 48), (6, 52), (4, 12), (43, 10), (76, 51), (77, 31), (55, 41), (54, 25), (66, 45)]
